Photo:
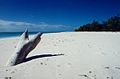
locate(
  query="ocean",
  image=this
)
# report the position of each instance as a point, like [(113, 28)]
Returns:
[(13, 34)]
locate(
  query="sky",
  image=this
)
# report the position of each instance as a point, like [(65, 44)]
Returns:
[(53, 15)]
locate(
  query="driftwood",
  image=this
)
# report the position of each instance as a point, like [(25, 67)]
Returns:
[(24, 47)]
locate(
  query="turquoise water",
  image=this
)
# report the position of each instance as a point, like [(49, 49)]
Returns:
[(12, 34)]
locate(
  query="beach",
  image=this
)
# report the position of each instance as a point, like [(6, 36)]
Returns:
[(86, 55)]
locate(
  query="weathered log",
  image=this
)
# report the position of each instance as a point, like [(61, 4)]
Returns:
[(23, 48)]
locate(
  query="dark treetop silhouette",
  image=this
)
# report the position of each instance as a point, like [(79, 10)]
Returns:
[(112, 24)]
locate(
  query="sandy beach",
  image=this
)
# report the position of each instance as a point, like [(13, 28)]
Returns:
[(87, 55)]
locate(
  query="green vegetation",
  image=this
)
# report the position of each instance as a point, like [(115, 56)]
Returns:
[(112, 24)]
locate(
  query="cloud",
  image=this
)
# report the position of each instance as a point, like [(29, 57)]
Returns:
[(11, 26)]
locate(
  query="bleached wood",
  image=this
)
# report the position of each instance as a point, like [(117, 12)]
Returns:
[(23, 48)]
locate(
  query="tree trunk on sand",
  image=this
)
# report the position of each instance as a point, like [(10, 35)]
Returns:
[(24, 47)]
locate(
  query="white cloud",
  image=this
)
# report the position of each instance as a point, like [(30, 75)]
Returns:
[(11, 26)]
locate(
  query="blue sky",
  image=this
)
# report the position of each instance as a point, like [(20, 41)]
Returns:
[(53, 15)]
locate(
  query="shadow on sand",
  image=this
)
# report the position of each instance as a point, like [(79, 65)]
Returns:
[(40, 56)]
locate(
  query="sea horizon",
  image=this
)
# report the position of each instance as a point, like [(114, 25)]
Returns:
[(14, 34)]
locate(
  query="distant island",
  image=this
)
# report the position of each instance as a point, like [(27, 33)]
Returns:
[(112, 24)]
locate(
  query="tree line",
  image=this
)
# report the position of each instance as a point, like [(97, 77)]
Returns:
[(112, 24)]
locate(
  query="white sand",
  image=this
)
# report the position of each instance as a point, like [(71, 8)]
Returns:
[(87, 56)]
